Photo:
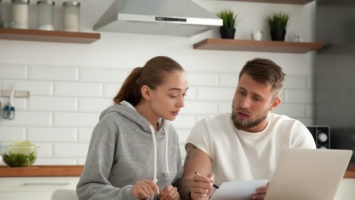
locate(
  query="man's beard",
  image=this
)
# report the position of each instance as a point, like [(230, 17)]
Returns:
[(245, 124)]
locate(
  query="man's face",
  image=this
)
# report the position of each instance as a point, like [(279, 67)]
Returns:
[(252, 103)]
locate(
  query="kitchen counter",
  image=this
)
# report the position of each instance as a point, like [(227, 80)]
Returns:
[(75, 170), (41, 171)]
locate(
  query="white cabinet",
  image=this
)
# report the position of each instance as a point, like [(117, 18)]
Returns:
[(346, 190), (39, 188)]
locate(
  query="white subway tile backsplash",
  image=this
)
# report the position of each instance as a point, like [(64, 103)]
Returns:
[(52, 134), (184, 122), (11, 71), (44, 150), (225, 107), (82, 89), (94, 104), (55, 161), (298, 96), (191, 93), (65, 103), (110, 90), (50, 103), (103, 75), (215, 94), (292, 110), (192, 107), (53, 73), (12, 134), (228, 79), (70, 150), (295, 82), (203, 79), (84, 134), (29, 119), (34, 87), (76, 120)]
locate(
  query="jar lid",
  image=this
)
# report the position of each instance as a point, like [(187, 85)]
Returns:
[(46, 2), (71, 3), (21, 1)]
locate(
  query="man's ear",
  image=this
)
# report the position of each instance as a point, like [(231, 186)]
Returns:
[(275, 103), (146, 92)]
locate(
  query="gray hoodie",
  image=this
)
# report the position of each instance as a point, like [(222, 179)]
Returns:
[(125, 148)]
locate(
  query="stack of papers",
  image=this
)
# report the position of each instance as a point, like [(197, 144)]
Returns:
[(237, 190)]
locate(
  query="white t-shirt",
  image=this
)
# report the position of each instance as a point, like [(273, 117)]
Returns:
[(241, 155)]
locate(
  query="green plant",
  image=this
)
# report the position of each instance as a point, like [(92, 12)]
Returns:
[(278, 21), (228, 17)]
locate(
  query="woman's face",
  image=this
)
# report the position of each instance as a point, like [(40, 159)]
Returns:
[(167, 99)]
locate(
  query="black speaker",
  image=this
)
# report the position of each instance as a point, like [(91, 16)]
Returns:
[(321, 135)]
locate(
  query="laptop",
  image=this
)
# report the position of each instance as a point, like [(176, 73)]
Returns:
[(308, 174)]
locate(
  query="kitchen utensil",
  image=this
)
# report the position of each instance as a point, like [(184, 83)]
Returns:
[(9, 110)]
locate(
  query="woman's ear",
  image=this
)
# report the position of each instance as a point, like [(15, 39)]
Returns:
[(146, 92)]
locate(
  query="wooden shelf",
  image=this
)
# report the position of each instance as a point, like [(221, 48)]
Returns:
[(300, 2), (48, 36), (251, 45)]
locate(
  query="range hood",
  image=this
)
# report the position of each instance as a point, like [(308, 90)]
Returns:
[(161, 17)]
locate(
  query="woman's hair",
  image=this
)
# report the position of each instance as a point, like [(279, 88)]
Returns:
[(152, 74), (265, 71)]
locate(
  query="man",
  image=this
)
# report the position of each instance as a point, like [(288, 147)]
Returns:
[(245, 144)]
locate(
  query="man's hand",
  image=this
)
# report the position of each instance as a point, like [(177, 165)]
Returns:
[(144, 189), (201, 187), (169, 193), (260, 193)]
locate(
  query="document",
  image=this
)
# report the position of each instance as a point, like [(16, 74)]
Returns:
[(237, 190)]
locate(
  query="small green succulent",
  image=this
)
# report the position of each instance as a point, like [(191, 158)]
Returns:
[(278, 21), (228, 17)]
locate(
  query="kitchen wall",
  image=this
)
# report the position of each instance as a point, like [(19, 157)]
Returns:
[(70, 84)]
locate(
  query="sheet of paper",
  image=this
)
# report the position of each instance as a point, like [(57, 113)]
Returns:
[(237, 190)]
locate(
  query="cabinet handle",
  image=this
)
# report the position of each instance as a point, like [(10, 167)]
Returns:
[(46, 183)]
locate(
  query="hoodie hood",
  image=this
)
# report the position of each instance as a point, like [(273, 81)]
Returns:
[(126, 110)]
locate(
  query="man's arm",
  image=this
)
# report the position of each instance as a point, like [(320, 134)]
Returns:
[(195, 161)]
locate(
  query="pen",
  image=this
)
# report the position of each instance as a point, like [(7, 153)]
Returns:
[(214, 185)]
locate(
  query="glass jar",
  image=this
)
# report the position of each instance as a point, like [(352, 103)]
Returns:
[(71, 13), (20, 12), (45, 15)]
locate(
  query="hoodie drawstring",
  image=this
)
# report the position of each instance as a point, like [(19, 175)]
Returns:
[(166, 172), (155, 180)]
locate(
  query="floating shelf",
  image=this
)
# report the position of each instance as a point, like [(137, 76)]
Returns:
[(252, 45), (48, 36), (279, 1)]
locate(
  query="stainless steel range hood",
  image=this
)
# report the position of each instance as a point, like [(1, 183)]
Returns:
[(161, 17)]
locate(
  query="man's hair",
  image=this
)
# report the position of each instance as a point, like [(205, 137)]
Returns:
[(265, 71)]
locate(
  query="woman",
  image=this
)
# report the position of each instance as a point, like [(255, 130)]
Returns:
[(134, 152)]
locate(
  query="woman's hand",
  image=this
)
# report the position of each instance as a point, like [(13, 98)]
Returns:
[(169, 193), (144, 189)]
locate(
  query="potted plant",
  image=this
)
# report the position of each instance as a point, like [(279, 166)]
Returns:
[(229, 19), (278, 24)]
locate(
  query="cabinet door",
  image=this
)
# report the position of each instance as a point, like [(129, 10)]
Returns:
[(23, 188)]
